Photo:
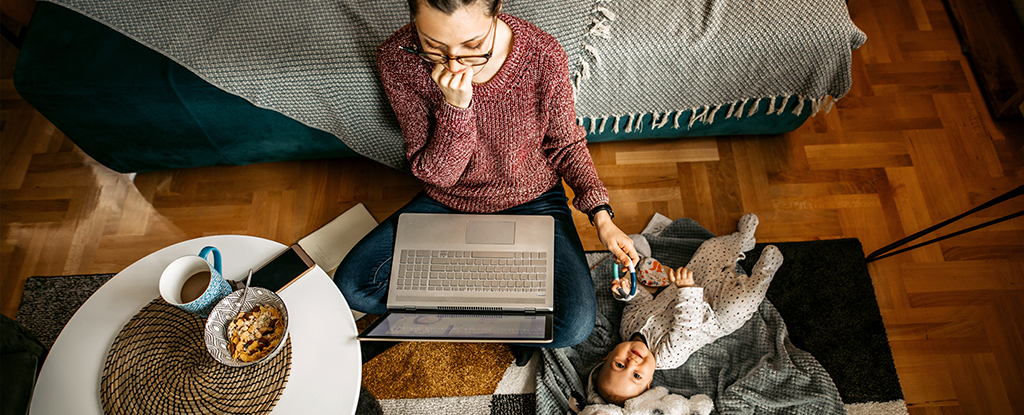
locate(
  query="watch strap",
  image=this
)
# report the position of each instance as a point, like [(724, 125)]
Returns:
[(593, 212)]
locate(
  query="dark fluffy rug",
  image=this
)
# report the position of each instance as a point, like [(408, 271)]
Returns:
[(824, 293)]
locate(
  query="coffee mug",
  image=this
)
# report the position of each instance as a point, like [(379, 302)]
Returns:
[(193, 284)]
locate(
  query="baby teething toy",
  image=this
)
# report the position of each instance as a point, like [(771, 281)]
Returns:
[(632, 284)]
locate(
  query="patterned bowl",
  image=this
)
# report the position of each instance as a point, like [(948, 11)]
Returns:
[(223, 313)]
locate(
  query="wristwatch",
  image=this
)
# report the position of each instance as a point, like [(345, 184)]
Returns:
[(598, 208)]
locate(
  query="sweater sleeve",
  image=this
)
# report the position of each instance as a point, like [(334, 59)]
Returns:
[(565, 144), (439, 141)]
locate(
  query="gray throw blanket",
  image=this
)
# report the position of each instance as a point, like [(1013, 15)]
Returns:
[(717, 59), (756, 369), (314, 60)]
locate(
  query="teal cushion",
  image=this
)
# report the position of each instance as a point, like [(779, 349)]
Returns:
[(132, 109)]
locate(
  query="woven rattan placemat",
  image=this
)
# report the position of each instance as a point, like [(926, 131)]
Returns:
[(159, 365)]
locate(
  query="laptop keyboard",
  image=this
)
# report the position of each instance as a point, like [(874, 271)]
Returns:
[(479, 271)]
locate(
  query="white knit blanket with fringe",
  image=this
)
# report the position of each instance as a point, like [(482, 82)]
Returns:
[(713, 58), (314, 60)]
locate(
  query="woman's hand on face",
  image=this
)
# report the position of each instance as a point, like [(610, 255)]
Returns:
[(615, 240), (456, 87)]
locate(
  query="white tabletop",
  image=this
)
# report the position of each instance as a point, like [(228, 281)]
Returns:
[(326, 366)]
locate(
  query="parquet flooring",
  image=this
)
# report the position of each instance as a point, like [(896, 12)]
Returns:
[(911, 145)]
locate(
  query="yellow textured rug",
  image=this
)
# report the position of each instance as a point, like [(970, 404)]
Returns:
[(415, 370)]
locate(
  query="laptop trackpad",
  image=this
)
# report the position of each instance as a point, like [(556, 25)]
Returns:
[(491, 232)]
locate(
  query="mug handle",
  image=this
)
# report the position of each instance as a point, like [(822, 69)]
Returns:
[(216, 257)]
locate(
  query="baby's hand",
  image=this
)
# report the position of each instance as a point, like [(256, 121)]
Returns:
[(623, 283), (682, 277)]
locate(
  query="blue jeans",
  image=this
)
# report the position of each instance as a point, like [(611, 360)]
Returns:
[(363, 275)]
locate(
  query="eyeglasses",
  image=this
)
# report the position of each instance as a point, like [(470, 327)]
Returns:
[(468, 60)]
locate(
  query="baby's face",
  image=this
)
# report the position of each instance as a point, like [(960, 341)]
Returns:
[(628, 369)]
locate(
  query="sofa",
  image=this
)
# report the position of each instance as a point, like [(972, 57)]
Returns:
[(151, 85)]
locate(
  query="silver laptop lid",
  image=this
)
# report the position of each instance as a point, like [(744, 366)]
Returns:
[(428, 246)]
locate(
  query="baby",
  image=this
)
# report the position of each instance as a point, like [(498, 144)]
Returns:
[(703, 301)]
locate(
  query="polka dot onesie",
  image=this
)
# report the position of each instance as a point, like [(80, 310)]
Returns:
[(681, 320)]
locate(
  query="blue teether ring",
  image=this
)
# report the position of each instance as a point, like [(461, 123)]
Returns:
[(632, 285)]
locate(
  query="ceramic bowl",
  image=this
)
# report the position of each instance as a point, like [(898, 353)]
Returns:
[(224, 312)]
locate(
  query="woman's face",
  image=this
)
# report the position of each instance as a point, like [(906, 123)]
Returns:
[(466, 32)]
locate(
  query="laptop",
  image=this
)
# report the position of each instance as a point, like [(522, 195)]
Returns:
[(470, 278)]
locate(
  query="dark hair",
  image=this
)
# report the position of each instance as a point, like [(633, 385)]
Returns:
[(448, 7)]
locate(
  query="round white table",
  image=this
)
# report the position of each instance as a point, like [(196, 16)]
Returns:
[(326, 367)]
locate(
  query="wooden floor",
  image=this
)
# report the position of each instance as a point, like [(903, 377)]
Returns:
[(911, 145)]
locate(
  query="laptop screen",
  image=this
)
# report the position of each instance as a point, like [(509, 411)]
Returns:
[(465, 327)]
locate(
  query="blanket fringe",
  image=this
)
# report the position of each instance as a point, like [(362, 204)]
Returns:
[(601, 18), (608, 14), (711, 118), (659, 120), (593, 52), (600, 27), (664, 120), (753, 109), (783, 106), (702, 117), (777, 105), (831, 103), (740, 112), (800, 106)]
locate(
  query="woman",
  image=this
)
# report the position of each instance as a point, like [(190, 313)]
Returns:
[(487, 114)]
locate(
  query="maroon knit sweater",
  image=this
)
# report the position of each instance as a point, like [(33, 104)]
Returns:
[(515, 141)]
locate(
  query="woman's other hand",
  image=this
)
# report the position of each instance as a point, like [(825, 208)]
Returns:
[(615, 240), (456, 87)]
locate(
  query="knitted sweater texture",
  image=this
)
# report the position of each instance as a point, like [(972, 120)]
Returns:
[(517, 139)]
